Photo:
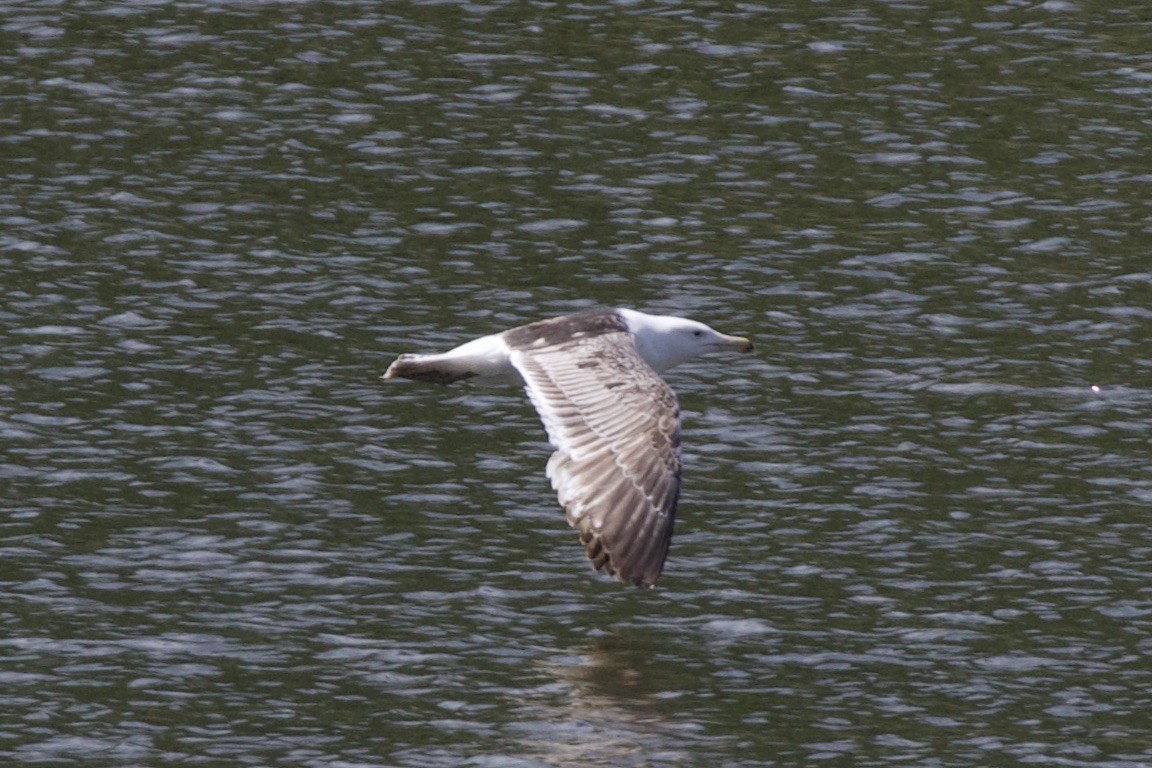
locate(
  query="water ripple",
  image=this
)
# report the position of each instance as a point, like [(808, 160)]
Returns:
[(911, 528)]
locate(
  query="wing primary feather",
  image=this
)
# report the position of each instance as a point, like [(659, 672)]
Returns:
[(615, 426)]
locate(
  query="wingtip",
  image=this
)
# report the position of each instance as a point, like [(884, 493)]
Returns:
[(602, 559)]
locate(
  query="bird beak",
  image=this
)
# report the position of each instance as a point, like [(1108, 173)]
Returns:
[(738, 343)]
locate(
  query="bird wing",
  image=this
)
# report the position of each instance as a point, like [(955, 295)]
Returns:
[(615, 425)]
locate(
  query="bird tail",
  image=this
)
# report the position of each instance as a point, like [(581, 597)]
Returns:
[(436, 369)]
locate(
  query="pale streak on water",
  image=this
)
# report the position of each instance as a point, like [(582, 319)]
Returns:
[(912, 532)]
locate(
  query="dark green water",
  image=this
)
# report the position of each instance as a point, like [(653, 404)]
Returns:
[(911, 532)]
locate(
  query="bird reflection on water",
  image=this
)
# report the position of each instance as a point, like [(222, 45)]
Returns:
[(607, 703)]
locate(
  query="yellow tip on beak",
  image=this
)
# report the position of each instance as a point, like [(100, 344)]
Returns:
[(740, 343)]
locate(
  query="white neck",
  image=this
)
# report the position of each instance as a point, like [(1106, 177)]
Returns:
[(655, 340)]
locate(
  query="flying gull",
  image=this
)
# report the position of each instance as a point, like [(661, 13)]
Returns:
[(594, 379)]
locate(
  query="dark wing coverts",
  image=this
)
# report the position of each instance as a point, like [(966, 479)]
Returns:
[(615, 425)]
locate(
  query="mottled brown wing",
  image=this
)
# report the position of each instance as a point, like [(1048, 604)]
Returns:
[(615, 425)]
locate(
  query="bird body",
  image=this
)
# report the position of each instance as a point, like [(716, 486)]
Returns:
[(593, 377)]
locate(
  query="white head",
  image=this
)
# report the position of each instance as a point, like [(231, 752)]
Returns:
[(665, 341)]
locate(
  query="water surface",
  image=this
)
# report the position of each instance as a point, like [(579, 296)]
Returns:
[(911, 530)]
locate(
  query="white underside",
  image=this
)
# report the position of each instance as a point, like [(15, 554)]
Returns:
[(487, 357)]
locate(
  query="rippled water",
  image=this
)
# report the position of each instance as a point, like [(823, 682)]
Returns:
[(913, 529)]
